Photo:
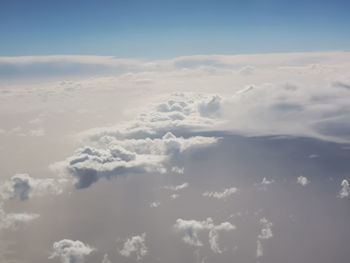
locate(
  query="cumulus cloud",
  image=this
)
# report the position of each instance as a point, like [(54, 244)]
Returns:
[(121, 157), (148, 144), (221, 195), (70, 251), (344, 191), (23, 186), (135, 245), (265, 233), (302, 180), (191, 229)]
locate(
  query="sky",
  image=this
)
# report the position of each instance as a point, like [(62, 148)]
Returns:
[(147, 131), (166, 28)]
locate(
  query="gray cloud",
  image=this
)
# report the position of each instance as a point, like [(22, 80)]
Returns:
[(23, 186)]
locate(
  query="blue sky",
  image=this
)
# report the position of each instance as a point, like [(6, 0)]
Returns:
[(167, 28)]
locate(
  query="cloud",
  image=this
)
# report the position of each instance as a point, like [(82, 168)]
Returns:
[(122, 157), (191, 229), (176, 187), (214, 235), (174, 196), (70, 251), (302, 180), (266, 181), (265, 234), (135, 245), (154, 204), (344, 192), (147, 144), (221, 195), (15, 220), (106, 259), (178, 170), (23, 186), (263, 102)]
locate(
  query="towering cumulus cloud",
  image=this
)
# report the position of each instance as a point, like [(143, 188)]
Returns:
[(149, 144)]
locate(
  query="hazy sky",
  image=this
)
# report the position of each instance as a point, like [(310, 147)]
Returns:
[(168, 28), (174, 131)]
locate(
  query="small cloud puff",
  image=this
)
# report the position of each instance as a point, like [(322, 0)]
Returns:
[(302, 180), (135, 245), (154, 204), (70, 251), (344, 191)]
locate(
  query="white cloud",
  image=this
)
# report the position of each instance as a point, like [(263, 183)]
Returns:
[(265, 234), (302, 180), (314, 104), (191, 229), (15, 220), (344, 192), (176, 187), (135, 245), (70, 251), (221, 195), (266, 181), (259, 249), (174, 196), (23, 186), (178, 170), (214, 235), (154, 204)]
